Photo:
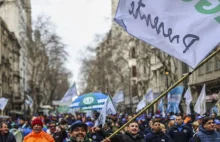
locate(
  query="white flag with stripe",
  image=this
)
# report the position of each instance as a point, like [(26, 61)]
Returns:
[(188, 97), (107, 109), (70, 94), (149, 97), (118, 97), (3, 103)]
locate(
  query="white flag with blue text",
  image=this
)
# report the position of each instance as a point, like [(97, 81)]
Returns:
[(173, 26), (71, 92), (3, 103), (149, 96), (200, 106), (188, 97), (119, 97), (107, 109)]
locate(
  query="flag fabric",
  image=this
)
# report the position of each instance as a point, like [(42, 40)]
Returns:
[(141, 105), (188, 97), (118, 97), (3, 103), (107, 109), (149, 97), (178, 35), (174, 97), (200, 106), (161, 107), (29, 101), (71, 92)]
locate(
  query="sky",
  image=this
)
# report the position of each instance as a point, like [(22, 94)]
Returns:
[(77, 22)]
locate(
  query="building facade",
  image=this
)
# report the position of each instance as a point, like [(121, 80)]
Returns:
[(17, 16), (9, 70)]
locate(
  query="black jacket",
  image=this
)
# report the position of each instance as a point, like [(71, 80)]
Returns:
[(127, 137), (7, 138), (180, 135), (157, 137)]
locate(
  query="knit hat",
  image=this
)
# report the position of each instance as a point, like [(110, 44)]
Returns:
[(37, 121)]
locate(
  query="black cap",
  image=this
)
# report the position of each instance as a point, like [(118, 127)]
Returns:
[(78, 124)]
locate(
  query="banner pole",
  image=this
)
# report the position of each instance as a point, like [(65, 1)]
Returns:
[(167, 91)]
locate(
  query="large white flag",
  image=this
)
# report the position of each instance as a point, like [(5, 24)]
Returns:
[(149, 97), (107, 109), (173, 26), (119, 97), (200, 106), (188, 97), (71, 92), (3, 103), (141, 105)]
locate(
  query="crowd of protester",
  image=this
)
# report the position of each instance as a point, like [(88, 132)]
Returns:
[(82, 128)]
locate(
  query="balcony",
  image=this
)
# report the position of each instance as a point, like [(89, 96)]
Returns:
[(16, 73)]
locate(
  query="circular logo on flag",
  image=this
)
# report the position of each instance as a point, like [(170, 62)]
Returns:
[(88, 100)]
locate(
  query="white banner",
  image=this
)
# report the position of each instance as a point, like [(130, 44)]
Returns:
[(187, 30), (188, 97), (141, 105), (149, 96)]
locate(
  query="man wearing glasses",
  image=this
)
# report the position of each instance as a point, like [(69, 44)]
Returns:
[(207, 132), (58, 136)]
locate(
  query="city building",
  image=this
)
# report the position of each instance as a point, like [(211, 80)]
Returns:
[(9, 70)]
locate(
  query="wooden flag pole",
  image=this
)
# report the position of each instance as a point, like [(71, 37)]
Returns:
[(164, 93)]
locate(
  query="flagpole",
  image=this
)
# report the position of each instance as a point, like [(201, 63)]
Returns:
[(168, 90)]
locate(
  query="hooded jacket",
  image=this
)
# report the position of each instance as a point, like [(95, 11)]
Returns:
[(40, 137), (206, 136)]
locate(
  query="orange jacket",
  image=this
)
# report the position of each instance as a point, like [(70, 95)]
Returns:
[(40, 137)]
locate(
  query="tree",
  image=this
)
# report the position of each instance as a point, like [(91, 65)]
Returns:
[(46, 57)]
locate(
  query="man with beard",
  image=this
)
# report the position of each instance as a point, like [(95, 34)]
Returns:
[(78, 132), (156, 135), (5, 135), (131, 135), (37, 134)]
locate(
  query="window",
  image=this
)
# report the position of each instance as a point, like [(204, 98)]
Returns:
[(209, 66), (217, 63), (145, 71), (134, 72), (133, 53)]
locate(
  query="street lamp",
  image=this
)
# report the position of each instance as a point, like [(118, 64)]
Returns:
[(167, 73)]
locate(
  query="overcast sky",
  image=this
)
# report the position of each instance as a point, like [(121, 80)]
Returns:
[(77, 22)]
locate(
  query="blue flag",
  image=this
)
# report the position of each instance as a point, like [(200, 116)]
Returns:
[(174, 97), (71, 92)]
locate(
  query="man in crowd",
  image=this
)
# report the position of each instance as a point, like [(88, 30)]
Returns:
[(58, 136), (207, 132), (180, 132), (37, 134), (131, 135), (156, 135), (5, 135), (78, 132)]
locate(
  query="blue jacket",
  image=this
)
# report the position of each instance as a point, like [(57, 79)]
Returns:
[(156, 137), (206, 136)]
